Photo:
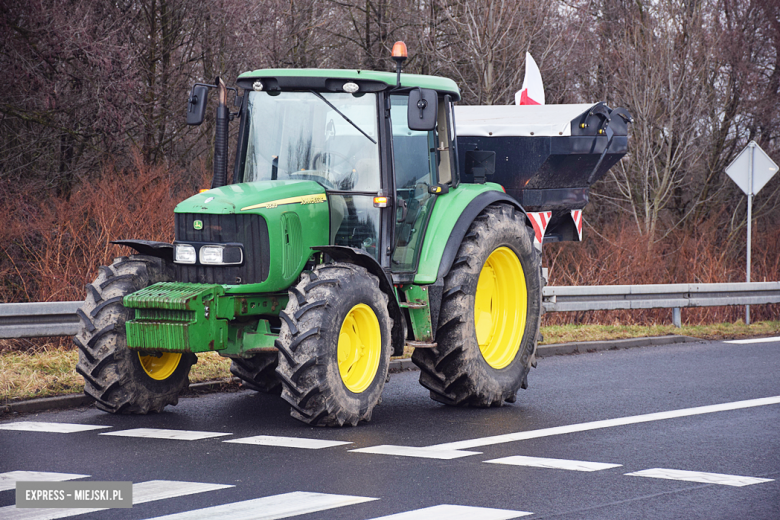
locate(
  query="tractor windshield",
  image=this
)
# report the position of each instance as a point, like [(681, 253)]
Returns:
[(295, 135)]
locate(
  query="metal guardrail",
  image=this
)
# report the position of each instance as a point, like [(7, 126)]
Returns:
[(29, 320), (26, 320), (670, 296), (679, 295)]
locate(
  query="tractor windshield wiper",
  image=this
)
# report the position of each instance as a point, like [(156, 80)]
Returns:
[(339, 112)]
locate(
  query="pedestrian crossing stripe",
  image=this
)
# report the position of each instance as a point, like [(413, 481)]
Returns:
[(150, 491), (155, 433), (9, 479), (288, 442), (411, 451), (49, 427), (540, 462), (699, 476), (272, 507), (453, 512)]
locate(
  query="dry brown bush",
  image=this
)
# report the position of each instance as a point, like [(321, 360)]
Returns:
[(619, 255), (51, 248)]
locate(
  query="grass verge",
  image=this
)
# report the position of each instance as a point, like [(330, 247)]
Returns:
[(51, 371)]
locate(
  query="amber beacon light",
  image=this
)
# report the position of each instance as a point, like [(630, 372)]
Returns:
[(399, 51), (399, 54)]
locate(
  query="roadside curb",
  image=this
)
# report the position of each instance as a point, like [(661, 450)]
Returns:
[(583, 347), (397, 365)]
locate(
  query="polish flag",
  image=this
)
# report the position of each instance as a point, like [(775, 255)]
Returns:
[(532, 91)]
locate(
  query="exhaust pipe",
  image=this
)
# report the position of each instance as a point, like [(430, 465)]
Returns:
[(221, 138)]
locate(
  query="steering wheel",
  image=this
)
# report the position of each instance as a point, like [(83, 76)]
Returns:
[(329, 161), (335, 167)]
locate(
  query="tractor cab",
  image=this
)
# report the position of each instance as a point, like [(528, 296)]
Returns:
[(380, 149)]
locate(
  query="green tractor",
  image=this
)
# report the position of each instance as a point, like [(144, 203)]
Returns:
[(357, 222)]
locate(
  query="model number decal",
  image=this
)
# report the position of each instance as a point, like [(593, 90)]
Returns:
[(304, 199)]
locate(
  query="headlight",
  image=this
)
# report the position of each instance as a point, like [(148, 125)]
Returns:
[(221, 255), (184, 254)]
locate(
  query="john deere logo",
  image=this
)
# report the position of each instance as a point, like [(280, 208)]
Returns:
[(198, 224)]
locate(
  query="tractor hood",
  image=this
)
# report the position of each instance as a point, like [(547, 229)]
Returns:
[(249, 197)]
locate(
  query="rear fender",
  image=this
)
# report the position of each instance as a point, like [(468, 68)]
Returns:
[(445, 232)]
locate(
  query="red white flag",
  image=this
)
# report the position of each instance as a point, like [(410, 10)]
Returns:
[(532, 91)]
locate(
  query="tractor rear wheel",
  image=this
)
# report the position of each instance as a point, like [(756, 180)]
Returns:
[(118, 379), (490, 315), (334, 346), (258, 372)]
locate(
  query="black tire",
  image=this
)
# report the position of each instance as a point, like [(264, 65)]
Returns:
[(113, 374), (258, 372), (456, 372), (309, 346)]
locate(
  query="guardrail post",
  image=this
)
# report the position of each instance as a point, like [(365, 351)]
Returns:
[(677, 317)]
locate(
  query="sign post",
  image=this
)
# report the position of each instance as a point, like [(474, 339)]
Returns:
[(751, 170)]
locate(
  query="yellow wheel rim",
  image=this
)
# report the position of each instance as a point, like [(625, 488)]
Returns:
[(162, 367), (500, 307), (360, 348)]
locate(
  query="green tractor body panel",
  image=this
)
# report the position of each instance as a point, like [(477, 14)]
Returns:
[(233, 319), (443, 219), (297, 216)]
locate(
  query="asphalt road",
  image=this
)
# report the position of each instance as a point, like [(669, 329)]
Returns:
[(608, 426)]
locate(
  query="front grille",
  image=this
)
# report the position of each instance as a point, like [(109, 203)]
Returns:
[(249, 230)]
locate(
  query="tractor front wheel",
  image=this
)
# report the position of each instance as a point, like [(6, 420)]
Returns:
[(118, 379), (490, 314), (334, 346)]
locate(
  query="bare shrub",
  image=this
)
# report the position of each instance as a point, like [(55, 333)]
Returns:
[(52, 247), (618, 255)]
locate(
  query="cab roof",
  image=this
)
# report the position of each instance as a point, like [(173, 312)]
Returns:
[(333, 79)]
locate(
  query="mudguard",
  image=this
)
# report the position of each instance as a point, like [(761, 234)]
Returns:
[(162, 250), (446, 231)]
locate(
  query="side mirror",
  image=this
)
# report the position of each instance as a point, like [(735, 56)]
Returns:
[(423, 109), (480, 164), (196, 104)]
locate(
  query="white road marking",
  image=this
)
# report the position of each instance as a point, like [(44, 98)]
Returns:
[(49, 427), (699, 476), (539, 462), (8, 480), (595, 425), (451, 512), (288, 442), (410, 451), (154, 433), (754, 340), (142, 492), (270, 508)]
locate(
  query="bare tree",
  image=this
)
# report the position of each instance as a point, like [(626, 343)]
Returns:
[(659, 71), (482, 44)]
